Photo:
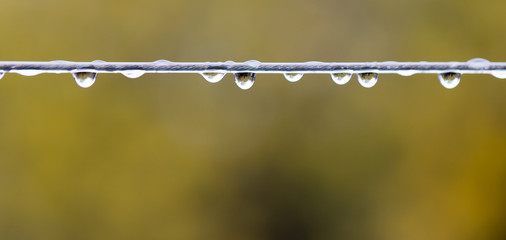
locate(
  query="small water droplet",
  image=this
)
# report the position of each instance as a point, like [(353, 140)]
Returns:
[(450, 79), (478, 63), (213, 77), (133, 73), (253, 63), (367, 80), (28, 72), (293, 77), (85, 79), (407, 73), (499, 74), (244, 80), (341, 78), (162, 61)]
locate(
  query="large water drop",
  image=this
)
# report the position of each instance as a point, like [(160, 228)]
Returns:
[(293, 77), (85, 79), (367, 80), (499, 74), (213, 77), (341, 78), (133, 73), (244, 80), (450, 79)]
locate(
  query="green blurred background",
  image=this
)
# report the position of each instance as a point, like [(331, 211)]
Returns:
[(171, 156)]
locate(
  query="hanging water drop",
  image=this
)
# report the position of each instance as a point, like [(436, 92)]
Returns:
[(213, 77), (85, 79), (499, 74), (244, 80), (293, 77), (341, 78), (133, 73), (2, 74), (407, 73), (450, 79), (28, 72), (367, 80)]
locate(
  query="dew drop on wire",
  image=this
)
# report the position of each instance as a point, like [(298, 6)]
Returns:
[(478, 63), (407, 73), (85, 79), (341, 78), (244, 80), (293, 77), (133, 73), (499, 74), (367, 80), (28, 72), (253, 63), (212, 77), (449, 79)]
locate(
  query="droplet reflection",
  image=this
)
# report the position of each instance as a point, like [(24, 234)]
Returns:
[(85, 79), (244, 80)]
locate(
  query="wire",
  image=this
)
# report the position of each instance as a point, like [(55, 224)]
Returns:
[(85, 73), (475, 66)]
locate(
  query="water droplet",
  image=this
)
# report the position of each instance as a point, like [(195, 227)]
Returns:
[(367, 80), (499, 74), (28, 72), (133, 73), (341, 78), (162, 61), (406, 73), (293, 77), (213, 77), (2, 74), (85, 79), (478, 63), (244, 80), (253, 63), (450, 79)]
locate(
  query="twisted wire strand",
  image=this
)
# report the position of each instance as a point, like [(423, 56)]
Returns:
[(475, 66)]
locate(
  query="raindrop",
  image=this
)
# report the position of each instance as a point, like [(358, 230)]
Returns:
[(244, 80), (28, 72), (253, 63), (85, 79), (293, 77), (367, 80), (133, 73), (213, 77), (499, 74), (406, 73), (341, 78), (162, 61), (450, 79), (478, 63)]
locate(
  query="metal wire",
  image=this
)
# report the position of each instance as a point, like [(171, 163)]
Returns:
[(475, 66)]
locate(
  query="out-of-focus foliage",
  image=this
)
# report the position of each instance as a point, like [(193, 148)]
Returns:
[(170, 156)]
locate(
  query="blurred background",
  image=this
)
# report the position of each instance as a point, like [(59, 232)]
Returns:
[(171, 156)]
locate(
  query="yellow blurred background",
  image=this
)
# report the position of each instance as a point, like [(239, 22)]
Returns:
[(171, 156)]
